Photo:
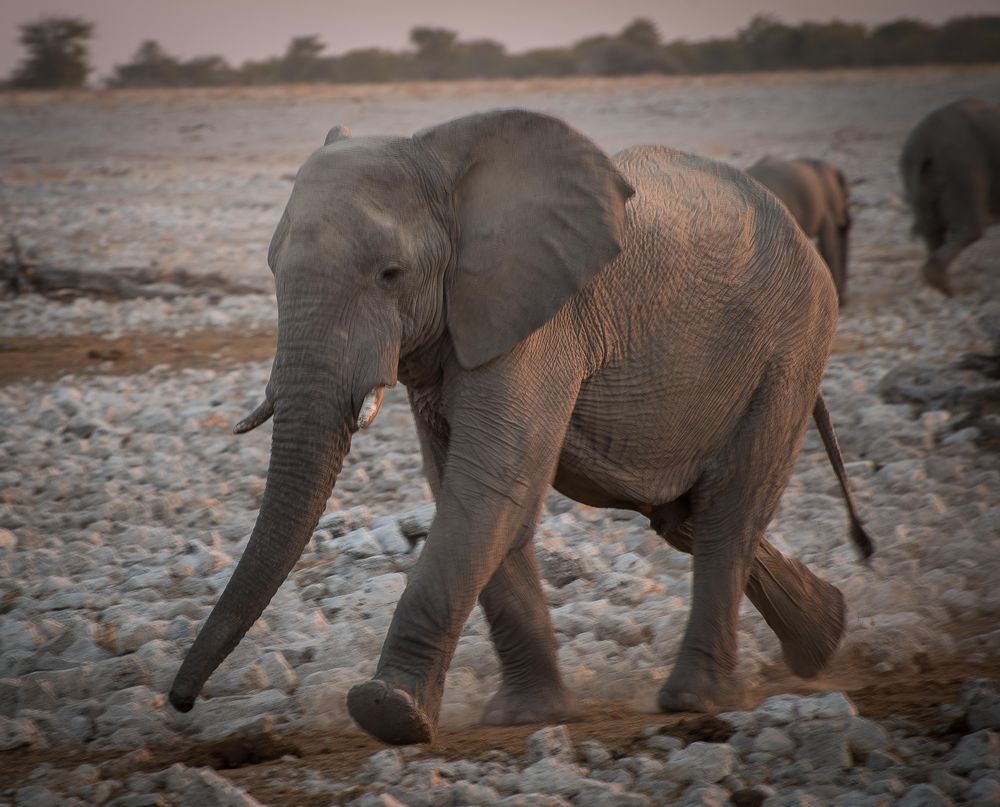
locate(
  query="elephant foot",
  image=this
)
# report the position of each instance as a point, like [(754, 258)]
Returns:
[(389, 714), (688, 690), (936, 276), (514, 707), (807, 614)]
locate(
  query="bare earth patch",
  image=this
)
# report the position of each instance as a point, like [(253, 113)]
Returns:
[(47, 358)]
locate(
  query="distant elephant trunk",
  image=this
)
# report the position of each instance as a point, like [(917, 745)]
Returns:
[(311, 438)]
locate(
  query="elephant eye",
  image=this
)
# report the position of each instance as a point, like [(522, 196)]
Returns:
[(391, 275)]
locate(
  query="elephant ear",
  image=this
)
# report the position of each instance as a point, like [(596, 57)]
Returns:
[(338, 132), (278, 240), (540, 210)]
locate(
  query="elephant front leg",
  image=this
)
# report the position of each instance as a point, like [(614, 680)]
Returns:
[(496, 473), (531, 689)]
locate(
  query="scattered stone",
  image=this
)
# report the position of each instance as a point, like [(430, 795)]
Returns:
[(701, 763), (551, 775), (552, 741), (594, 753), (976, 751), (825, 706), (773, 741), (924, 796), (384, 767)]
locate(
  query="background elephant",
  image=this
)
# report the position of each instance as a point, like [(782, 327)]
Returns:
[(662, 355), (816, 195), (951, 173)]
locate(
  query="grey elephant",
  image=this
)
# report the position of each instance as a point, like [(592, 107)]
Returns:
[(951, 174), (644, 333), (816, 195)]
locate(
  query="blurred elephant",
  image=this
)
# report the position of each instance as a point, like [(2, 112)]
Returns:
[(816, 195), (645, 333), (951, 173)]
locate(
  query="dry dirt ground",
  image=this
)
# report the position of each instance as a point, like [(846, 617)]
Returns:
[(197, 179), (266, 767)]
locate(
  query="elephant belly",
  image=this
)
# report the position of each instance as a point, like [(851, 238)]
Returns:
[(635, 474)]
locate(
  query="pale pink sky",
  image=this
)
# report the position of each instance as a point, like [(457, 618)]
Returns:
[(254, 29)]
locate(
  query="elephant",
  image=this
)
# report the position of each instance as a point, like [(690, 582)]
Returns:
[(647, 332), (950, 166), (816, 195)]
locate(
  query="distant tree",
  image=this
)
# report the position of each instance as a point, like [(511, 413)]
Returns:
[(151, 66), (901, 42), (542, 62), (370, 64), (831, 44), (206, 71), (57, 54), (265, 71), (481, 58), (641, 33), (765, 43), (435, 51), (968, 40), (770, 44), (302, 61), (708, 56), (636, 49)]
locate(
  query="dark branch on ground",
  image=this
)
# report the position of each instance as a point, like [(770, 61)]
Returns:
[(20, 275)]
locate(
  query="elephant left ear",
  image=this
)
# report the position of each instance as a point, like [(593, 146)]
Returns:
[(540, 212)]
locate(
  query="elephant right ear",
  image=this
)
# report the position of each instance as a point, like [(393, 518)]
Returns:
[(540, 211), (339, 132)]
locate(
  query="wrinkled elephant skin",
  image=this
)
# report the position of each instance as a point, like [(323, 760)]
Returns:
[(644, 332)]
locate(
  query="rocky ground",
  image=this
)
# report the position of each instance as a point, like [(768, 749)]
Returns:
[(125, 500)]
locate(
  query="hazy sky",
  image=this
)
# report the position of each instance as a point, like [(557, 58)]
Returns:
[(253, 29)]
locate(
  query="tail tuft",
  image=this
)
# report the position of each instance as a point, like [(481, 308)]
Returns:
[(862, 540)]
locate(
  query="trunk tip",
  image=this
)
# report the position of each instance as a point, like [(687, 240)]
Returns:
[(182, 703)]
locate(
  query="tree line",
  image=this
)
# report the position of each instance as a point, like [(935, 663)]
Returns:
[(58, 57)]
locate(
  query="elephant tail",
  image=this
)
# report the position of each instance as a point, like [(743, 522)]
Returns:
[(859, 534)]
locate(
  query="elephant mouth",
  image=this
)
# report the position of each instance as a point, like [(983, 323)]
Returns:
[(369, 408)]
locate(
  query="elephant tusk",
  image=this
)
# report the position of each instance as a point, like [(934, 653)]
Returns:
[(259, 415), (370, 406)]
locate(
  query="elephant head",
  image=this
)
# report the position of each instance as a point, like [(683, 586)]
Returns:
[(462, 239)]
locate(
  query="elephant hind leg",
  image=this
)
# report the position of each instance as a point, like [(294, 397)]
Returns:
[(935, 269), (730, 508), (960, 211), (832, 246), (807, 614)]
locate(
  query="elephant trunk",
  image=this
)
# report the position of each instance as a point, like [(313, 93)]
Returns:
[(312, 436)]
